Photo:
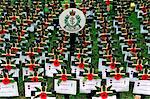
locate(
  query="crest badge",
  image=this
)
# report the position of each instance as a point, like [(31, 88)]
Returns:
[(72, 20)]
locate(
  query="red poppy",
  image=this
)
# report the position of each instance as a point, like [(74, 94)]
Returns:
[(31, 66), (56, 63), (29, 22), (130, 42), (61, 51), (5, 81), (1, 40), (84, 10), (31, 54), (109, 57), (64, 38), (103, 37), (14, 49), (8, 67), (34, 79), (107, 2), (19, 38), (37, 9), (85, 44), (46, 24), (7, 54), (81, 65), (78, 56), (64, 77), (43, 95), (139, 67), (117, 76), (39, 50), (144, 9), (90, 76), (104, 95), (2, 32), (14, 18), (22, 32), (112, 65), (144, 77), (133, 50), (8, 23)]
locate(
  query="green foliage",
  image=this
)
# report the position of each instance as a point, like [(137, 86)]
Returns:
[(95, 49)]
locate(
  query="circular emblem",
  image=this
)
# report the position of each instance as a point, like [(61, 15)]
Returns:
[(72, 20)]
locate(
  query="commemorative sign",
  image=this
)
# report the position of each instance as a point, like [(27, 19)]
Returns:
[(72, 20)]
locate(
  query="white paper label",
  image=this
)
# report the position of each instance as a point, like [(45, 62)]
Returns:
[(65, 87)]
